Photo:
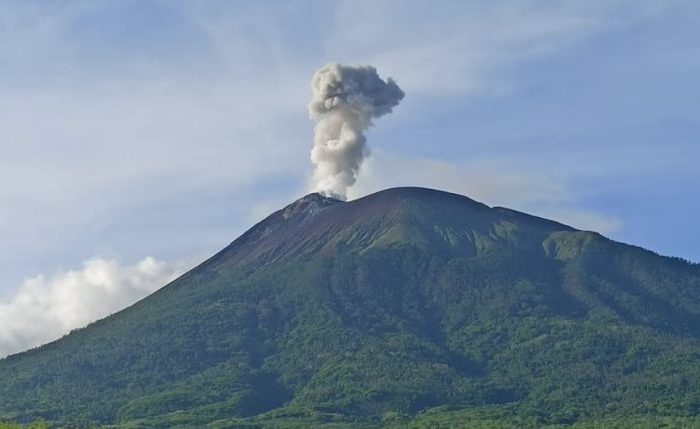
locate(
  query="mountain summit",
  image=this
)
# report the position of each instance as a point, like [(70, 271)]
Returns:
[(316, 226), (406, 307)]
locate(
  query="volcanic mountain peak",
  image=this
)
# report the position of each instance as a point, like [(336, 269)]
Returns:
[(405, 204), (308, 205), (316, 225), (396, 302)]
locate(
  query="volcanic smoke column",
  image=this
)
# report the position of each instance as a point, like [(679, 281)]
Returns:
[(345, 99)]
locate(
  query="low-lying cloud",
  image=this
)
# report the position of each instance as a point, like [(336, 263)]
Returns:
[(44, 309)]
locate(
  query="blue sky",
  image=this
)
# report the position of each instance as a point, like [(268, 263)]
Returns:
[(164, 129)]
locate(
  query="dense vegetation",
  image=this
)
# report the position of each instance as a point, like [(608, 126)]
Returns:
[(406, 309), (37, 425)]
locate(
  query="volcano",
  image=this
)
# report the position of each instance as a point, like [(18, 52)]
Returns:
[(404, 308)]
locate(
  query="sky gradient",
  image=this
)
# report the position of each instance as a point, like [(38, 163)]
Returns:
[(164, 129)]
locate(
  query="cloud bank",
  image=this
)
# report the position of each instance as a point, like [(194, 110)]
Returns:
[(43, 309)]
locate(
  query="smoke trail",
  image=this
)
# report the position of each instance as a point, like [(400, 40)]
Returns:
[(345, 99)]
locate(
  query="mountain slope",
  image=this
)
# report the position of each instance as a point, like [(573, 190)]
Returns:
[(389, 305)]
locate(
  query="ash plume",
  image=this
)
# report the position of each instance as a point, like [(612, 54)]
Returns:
[(344, 101)]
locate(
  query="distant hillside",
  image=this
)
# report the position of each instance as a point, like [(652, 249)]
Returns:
[(407, 308)]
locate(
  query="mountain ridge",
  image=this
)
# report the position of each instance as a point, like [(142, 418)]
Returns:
[(398, 302), (367, 207)]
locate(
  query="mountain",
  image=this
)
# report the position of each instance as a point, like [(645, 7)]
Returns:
[(406, 308)]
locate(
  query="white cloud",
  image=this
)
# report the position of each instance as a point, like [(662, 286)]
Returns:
[(43, 308)]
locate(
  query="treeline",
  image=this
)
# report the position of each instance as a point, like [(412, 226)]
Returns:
[(36, 425), (41, 424)]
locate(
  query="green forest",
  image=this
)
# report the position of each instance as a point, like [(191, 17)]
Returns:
[(405, 310)]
